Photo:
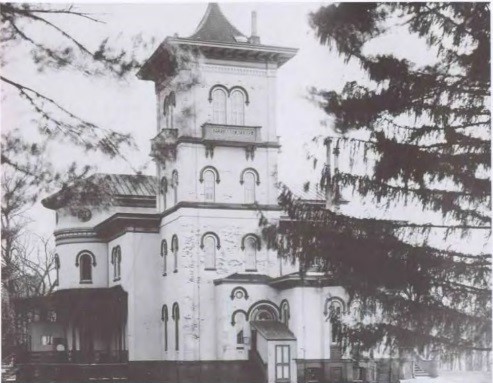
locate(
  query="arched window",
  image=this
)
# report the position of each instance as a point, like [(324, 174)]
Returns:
[(209, 186), (168, 109), (237, 108), (219, 99), (249, 178), (174, 250), (57, 269), (164, 318), (176, 318), (209, 243), (164, 254), (164, 189), (249, 187), (334, 308), (174, 180), (250, 246), (85, 268), (285, 314), (263, 311), (116, 259)]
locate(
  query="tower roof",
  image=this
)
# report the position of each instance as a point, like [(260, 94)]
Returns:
[(214, 26)]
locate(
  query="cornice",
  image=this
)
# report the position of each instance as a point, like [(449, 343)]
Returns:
[(220, 206), (76, 235)]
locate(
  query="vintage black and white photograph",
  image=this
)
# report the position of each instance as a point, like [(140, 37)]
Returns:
[(246, 192)]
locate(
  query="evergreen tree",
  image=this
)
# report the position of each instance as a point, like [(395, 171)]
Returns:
[(423, 134)]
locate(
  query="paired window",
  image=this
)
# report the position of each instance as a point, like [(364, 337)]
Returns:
[(250, 244), (164, 318), (249, 178), (209, 176), (176, 317), (85, 260), (168, 109), (164, 254), (209, 244), (228, 105), (174, 250), (116, 260)]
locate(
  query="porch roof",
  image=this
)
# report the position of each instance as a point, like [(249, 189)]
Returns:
[(71, 297), (273, 330)]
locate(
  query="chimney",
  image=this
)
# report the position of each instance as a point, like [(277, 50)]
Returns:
[(254, 38), (332, 192)]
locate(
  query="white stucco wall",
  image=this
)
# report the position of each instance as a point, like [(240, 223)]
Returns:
[(69, 273)]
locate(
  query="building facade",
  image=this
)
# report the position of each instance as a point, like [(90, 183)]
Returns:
[(172, 281)]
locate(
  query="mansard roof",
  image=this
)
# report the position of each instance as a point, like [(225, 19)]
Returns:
[(123, 187), (214, 26)]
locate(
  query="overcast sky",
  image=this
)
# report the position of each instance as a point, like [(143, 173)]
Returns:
[(129, 107)]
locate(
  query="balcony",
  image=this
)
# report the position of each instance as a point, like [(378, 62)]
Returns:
[(231, 133)]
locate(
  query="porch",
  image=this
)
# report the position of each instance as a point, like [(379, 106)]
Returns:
[(78, 326)]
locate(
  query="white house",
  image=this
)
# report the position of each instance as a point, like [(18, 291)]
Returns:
[(172, 282)]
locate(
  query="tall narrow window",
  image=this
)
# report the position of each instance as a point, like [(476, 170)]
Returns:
[(57, 269), (209, 186), (118, 262), (164, 254), (210, 252), (85, 268), (237, 108), (174, 249), (176, 318), (174, 179), (219, 99), (164, 318), (164, 190), (250, 253), (116, 258), (249, 187)]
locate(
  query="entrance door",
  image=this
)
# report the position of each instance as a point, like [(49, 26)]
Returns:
[(283, 359)]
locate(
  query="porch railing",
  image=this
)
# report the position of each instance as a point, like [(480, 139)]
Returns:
[(78, 357)]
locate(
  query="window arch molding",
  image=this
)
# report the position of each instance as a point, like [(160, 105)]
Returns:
[(212, 234), (174, 243), (229, 91), (250, 235), (331, 300), (239, 289), (211, 168), (285, 311), (263, 304), (164, 313), (242, 90), (164, 248), (235, 313), (215, 87), (250, 170), (81, 253)]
